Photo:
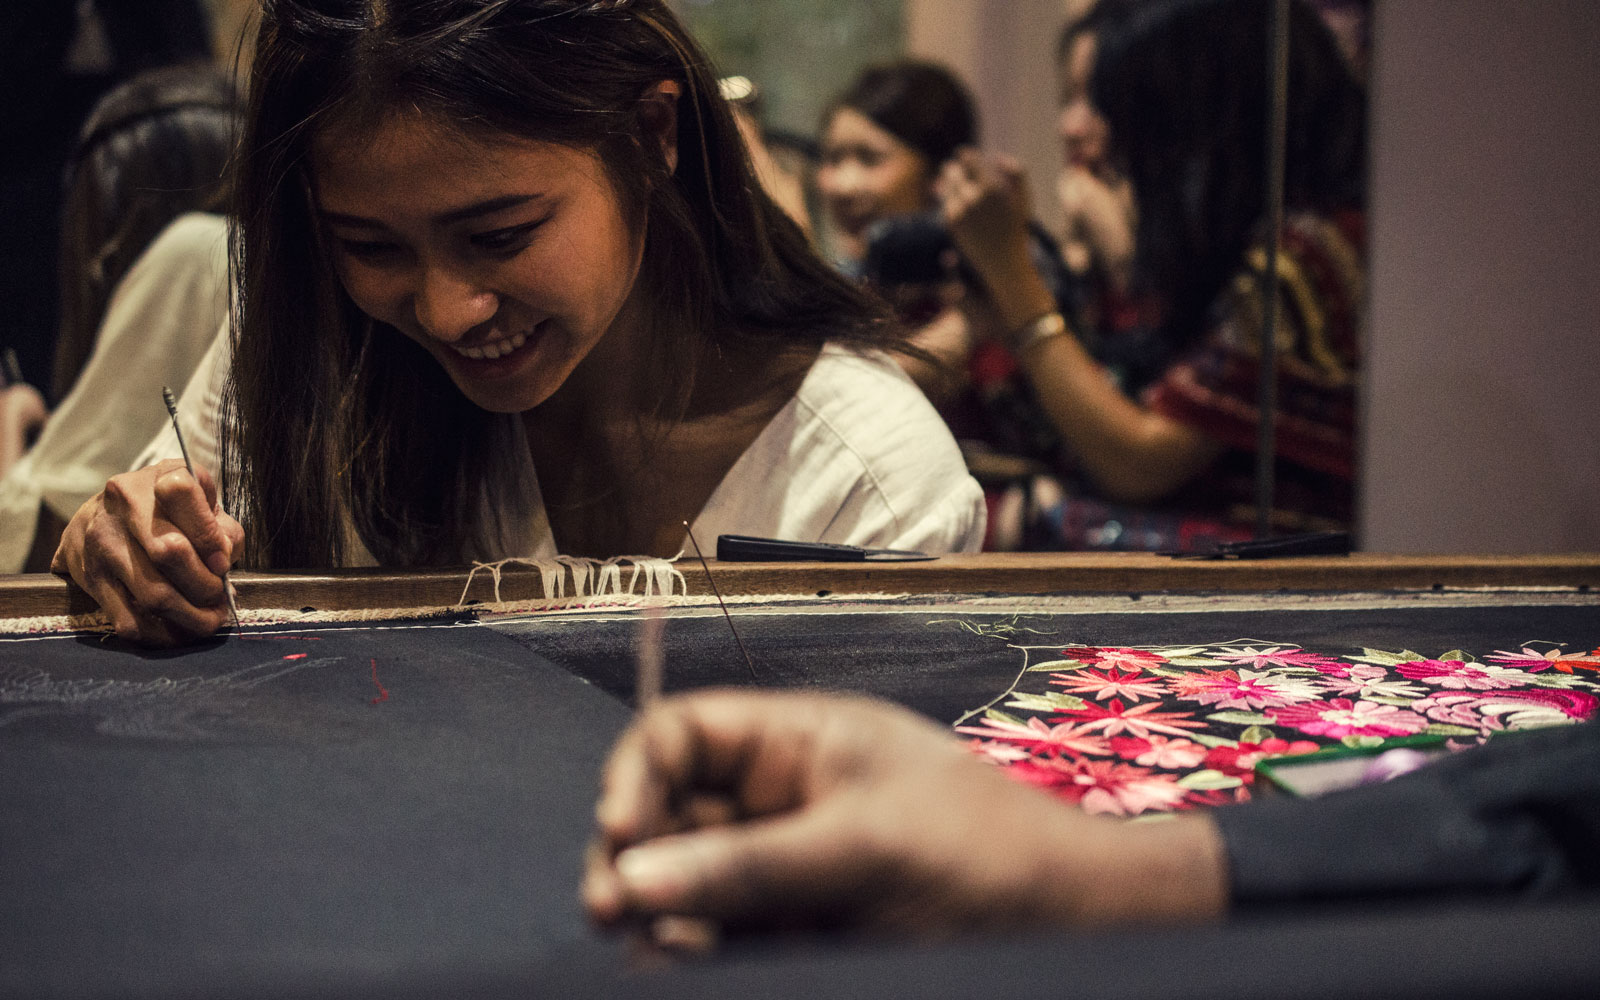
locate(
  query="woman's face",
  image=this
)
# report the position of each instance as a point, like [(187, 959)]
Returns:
[(867, 174), (1084, 134), (509, 260)]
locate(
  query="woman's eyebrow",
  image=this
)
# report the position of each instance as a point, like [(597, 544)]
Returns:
[(478, 208)]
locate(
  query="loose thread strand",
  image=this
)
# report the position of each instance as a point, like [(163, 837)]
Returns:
[(720, 602)]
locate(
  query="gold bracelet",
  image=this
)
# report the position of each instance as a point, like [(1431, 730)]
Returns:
[(1036, 331)]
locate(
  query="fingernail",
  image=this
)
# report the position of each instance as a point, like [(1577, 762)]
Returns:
[(653, 871), (218, 563)]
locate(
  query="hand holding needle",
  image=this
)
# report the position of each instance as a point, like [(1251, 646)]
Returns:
[(172, 411)]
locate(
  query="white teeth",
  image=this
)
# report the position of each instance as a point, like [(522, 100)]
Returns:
[(498, 349)]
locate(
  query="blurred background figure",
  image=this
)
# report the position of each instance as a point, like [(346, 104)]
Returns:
[(1141, 404), (57, 57), (143, 290), (152, 149)]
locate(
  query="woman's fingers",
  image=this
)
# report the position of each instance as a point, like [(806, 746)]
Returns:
[(151, 549), (190, 509)]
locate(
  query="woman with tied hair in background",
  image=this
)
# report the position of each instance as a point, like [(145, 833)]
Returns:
[(883, 142), (507, 287)]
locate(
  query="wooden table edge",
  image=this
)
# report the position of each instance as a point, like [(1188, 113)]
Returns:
[(41, 595)]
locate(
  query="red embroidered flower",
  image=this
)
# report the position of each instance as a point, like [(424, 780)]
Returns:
[(1113, 656), (1141, 720), (1103, 786), (1240, 760), (1109, 684)]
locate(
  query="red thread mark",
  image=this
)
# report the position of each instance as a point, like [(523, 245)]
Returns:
[(297, 656), (383, 693)]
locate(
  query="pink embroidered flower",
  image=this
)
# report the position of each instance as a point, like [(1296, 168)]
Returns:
[(1244, 689), (1534, 661), (1210, 798), (1159, 751), (1273, 656), (1141, 720), (1240, 760), (1515, 709), (1460, 675), (1337, 718), (1109, 684), (1063, 738), (1103, 786), (1367, 681), (1113, 656), (999, 751)]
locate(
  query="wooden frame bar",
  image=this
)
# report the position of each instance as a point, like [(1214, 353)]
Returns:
[(1010, 573)]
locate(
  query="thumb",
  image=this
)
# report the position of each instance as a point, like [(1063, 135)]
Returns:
[(794, 865)]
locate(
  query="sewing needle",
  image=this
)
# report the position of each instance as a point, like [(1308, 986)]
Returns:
[(172, 411)]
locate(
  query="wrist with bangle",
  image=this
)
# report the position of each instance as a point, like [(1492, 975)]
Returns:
[(1047, 326)]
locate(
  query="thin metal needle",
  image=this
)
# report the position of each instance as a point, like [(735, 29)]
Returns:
[(172, 411), (723, 604)]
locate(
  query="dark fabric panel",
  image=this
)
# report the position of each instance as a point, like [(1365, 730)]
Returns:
[(169, 823)]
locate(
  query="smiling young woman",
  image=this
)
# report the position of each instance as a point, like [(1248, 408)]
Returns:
[(507, 286)]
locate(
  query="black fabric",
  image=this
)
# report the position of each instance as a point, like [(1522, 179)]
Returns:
[(1519, 815), (194, 823), (945, 663)]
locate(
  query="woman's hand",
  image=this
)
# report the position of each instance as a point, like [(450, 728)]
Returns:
[(152, 548), (764, 809), (985, 202), (22, 413)]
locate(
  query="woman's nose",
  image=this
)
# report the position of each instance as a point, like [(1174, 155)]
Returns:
[(449, 304)]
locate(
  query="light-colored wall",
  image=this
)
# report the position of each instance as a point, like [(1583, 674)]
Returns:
[(1004, 50), (1483, 394)]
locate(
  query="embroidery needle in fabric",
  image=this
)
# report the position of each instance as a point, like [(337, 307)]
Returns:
[(720, 602)]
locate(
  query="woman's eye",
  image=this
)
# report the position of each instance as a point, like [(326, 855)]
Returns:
[(506, 240)]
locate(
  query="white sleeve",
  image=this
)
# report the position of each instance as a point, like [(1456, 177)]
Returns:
[(199, 413), (161, 319), (858, 457)]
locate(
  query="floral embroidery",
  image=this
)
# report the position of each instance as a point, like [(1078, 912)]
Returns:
[(1111, 684), (1243, 689), (1340, 717), (1124, 730), (1456, 674)]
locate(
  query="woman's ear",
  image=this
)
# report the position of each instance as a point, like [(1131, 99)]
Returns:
[(658, 113)]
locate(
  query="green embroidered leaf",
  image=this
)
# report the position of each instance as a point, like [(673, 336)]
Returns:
[(1049, 701), (1360, 742), (1209, 781), (1384, 699), (1241, 718), (1162, 672), (1206, 739), (1456, 654), (1440, 729), (1255, 734), (1006, 717), (1049, 665), (1384, 659), (1196, 661)]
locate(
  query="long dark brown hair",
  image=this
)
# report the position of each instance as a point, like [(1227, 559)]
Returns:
[(1188, 128), (153, 148), (332, 414)]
